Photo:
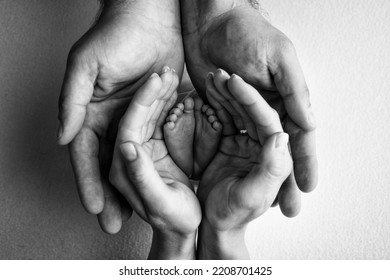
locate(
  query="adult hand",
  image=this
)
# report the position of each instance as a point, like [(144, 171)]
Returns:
[(148, 178), (130, 41), (240, 40), (244, 177)]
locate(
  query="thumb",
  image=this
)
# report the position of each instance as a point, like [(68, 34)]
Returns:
[(142, 174), (265, 179)]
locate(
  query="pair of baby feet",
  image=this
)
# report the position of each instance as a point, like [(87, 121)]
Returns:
[(192, 133)]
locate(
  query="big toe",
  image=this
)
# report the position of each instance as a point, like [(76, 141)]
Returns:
[(198, 103), (189, 105)]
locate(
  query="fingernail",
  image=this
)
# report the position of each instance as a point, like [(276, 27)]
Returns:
[(153, 75), (128, 151), (165, 69), (222, 71), (210, 75), (173, 70), (60, 131), (236, 76), (281, 141)]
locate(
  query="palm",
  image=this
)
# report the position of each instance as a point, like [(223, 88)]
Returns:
[(225, 202), (179, 208), (127, 51)]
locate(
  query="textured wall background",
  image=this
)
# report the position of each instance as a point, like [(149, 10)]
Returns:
[(343, 47)]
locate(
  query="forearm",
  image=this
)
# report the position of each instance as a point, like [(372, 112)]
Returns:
[(172, 246), (221, 245)]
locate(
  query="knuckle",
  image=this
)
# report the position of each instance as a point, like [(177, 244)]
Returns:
[(279, 171), (137, 178), (275, 171), (75, 55), (286, 46), (273, 117), (258, 205)]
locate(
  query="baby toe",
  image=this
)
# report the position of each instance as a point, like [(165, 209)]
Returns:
[(169, 125), (205, 107), (212, 119), (217, 126), (180, 106), (178, 112), (210, 112), (172, 118)]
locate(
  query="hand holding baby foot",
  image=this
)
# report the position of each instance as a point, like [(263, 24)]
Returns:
[(129, 41), (243, 179), (236, 37), (145, 174)]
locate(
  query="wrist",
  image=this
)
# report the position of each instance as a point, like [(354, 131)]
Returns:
[(197, 13), (169, 245), (163, 12), (218, 244)]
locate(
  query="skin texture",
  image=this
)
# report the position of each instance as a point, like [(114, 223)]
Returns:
[(130, 41), (234, 36), (243, 179), (148, 178)]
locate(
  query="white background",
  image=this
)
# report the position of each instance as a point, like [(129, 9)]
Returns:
[(344, 49)]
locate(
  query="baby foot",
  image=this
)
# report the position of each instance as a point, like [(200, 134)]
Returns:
[(208, 132), (179, 134)]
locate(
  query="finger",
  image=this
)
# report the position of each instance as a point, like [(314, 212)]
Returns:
[(303, 149), (131, 128), (275, 203), (110, 219), (143, 175), (84, 150), (167, 78), (138, 113), (168, 99), (291, 84), (224, 117), (263, 182), (220, 83), (76, 93), (126, 209), (265, 118), (289, 197), (236, 110)]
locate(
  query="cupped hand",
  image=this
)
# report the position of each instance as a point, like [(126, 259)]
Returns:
[(128, 43), (244, 177), (143, 171), (240, 40)]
